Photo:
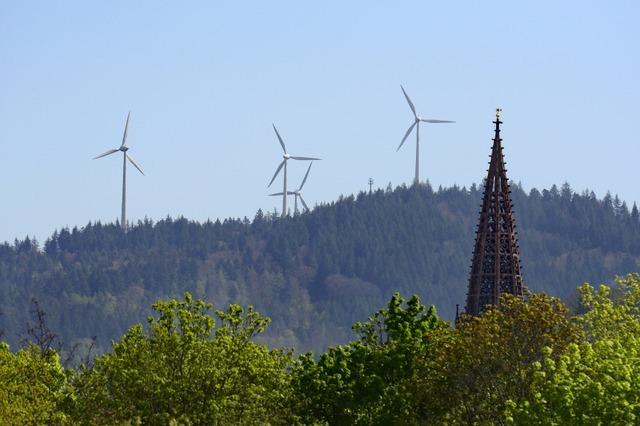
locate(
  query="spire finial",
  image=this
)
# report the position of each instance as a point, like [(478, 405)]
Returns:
[(498, 113)]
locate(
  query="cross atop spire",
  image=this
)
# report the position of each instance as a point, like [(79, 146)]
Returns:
[(495, 266)]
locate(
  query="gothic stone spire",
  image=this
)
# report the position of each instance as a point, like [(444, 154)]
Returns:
[(495, 267)]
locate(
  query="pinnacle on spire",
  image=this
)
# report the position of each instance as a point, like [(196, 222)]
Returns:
[(495, 265), (497, 123)]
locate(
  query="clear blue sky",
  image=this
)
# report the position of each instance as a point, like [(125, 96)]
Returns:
[(205, 80)]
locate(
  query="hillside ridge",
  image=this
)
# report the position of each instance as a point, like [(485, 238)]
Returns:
[(315, 273)]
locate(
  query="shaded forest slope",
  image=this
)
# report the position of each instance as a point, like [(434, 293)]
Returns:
[(314, 274)]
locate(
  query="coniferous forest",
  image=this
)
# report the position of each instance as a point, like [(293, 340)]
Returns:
[(313, 274)]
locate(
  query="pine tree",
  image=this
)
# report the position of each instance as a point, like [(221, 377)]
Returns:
[(635, 215)]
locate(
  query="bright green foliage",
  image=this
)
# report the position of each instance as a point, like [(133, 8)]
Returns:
[(597, 382), (612, 314), (186, 369), (525, 362), (365, 381), (33, 387), (487, 360)]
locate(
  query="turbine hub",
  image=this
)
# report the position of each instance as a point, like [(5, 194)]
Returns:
[(286, 156), (124, 148)]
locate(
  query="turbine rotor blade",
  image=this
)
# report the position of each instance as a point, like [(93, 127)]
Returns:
[(436, 121), (406, 135), (303, 203), (279, 138), (134, 163), (305, 158), (413, 108), (277, 194), (126, 126), (305, 176), (276, 173), (111, 151)]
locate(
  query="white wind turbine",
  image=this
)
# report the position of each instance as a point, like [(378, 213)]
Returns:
[(286, 158), (124, 148), (298, 193), (416, 124)]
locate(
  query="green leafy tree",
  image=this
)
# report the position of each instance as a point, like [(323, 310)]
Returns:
[(33, 387), (187, 369), (365, 381), (595, 382), (488, 360)]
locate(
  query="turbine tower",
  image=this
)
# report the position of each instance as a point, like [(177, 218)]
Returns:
[(286, 158), (416, 124), (124, 148), (297, 193)]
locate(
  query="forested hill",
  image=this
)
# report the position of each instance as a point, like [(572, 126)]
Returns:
[(314, 274)]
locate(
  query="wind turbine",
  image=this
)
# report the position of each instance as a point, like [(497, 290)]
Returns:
[(416, 124), (298, 193), (286, 158), (124, 148)]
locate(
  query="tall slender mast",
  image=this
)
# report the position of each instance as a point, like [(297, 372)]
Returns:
[(284, 191), (416, 181), (123, 220), (495, 266)]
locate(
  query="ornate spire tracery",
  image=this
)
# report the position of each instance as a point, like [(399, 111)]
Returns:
[(495, 267)]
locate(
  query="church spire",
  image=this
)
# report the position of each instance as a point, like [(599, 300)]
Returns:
[(495, 267)]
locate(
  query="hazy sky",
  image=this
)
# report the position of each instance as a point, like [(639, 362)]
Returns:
[(205, 80)]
